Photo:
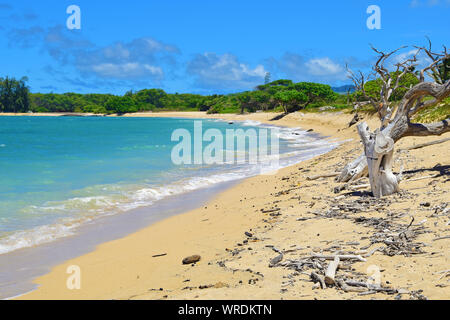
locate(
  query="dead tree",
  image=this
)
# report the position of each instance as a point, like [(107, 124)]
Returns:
[(390, 81), (378, 145)]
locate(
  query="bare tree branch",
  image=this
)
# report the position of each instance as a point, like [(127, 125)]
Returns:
[(422, 95), (436, 59)]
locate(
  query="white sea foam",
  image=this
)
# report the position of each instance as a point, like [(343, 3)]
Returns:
[(251, 123), (37, 235)]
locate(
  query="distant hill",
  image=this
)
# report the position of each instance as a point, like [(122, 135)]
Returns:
[(344, 89)]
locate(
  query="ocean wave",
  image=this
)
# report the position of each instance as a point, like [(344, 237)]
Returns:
[(38, 235)]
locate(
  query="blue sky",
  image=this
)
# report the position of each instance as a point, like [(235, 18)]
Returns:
[(204, 46)]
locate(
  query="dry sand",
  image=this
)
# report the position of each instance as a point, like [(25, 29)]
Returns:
[(234, 266)]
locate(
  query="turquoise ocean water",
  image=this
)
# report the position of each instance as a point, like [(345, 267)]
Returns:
[(57, 173)]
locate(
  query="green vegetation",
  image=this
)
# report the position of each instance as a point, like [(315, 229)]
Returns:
[(278, 96), (435, 113), (373, 87), (68, 102), (14, 95), (289, 100), (442, 71), (274, 96)]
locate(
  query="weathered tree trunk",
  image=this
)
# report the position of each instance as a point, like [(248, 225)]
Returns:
[(379, 151), (354, 170), (401, 125)]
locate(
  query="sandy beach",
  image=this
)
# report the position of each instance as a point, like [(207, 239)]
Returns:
[(241, 230)]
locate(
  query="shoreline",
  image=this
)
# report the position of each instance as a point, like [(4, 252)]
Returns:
[(88, 236), (202, 115), (264, 117), (31, 253), (217, 233)]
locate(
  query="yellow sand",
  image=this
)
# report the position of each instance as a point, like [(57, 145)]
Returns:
[(125, 268)]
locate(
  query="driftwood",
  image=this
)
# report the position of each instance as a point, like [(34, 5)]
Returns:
[(354, 170), (275, 249), (423, 145), (355, 119), (359, 186), (354, 186), (371, 287), (441, 238), (340, 256), (318, 278), (379, 145), (394, 128), (275, 260), (331, 271), (348, 288), (369, 254), (346, 186), (379, 150), (270, 210), (422, 178), (444, 273)]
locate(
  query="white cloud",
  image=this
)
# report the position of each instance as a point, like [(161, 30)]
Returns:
[(299, 68), (127, 70), (422, 59), (404, 55), (116, 51), (140, 59), (323, 67), (224, 72)]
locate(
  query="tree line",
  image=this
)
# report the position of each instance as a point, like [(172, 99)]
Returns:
[(16, 97)]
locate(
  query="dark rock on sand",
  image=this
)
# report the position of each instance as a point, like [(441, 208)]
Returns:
[(191, 259)]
